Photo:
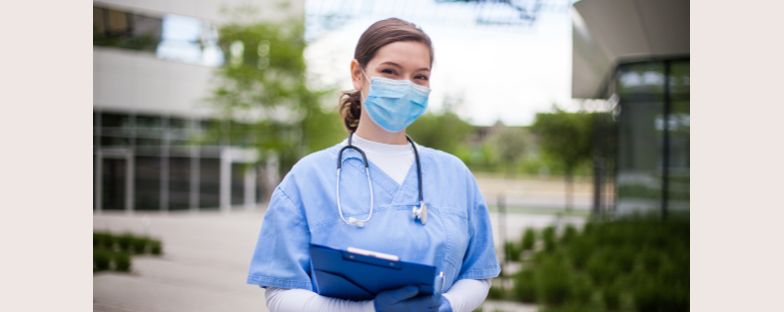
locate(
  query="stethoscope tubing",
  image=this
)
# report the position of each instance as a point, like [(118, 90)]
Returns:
[(352, 220)]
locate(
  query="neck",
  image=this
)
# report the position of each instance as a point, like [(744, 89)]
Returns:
[(368, 130)]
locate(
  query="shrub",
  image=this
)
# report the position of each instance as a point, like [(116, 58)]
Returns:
[(579, 250), (101, 259), (122, 262), (601, 268), (125, 242), (564, 308), (552, 282), (138, 245), (570, 232), (496, 292), (638, 263), (581, 289), (512, 252), (655, 295), (524, 286), (612, 296), (112, 252), (548, 235), (529, 239), (623, 258), (103, 240), (155, 247)]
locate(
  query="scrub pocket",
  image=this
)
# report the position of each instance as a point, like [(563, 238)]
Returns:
[(455, 226)]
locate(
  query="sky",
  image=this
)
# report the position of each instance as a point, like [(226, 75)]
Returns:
[(501, 73)]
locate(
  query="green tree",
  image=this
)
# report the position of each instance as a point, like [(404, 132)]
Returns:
[(262, 93), (444, 131), (568, 138), (509, 143)]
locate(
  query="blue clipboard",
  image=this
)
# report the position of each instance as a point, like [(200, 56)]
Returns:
[(360, 275)]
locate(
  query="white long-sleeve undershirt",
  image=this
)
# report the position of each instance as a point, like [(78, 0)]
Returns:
[(464, 296), (394, 159)]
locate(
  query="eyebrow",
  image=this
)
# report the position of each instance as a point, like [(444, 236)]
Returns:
[(398, 65)]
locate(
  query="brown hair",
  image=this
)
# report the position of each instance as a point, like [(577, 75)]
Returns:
[(379, 34)]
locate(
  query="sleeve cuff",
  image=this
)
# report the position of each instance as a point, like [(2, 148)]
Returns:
[(488, 273), (268, 281)]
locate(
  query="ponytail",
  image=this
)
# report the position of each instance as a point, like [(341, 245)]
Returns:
[(350, 109)]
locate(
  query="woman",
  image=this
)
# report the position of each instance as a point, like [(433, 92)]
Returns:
[(372, 207)]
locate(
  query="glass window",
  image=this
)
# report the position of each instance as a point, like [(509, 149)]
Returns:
[(679, 78), (237, 184), (174, 37), (640, 89), (149, 129), (260, 195), (98, 21), (679, 178), (113, 184), (115, 28), (642, 125), (178, 131), (108, 140), (179, 183), (209, 180), (117, 22), (189, 40), (147, 183), (116, 120)]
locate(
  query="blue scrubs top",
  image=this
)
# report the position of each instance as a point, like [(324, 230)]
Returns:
[(457, 238)]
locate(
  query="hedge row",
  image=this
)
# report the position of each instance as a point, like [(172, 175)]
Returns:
[(127, 243), (638, 263), (113, 252), (105, 260)]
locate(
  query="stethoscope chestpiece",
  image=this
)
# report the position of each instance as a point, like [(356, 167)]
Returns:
[(420, 213), (356, 222)]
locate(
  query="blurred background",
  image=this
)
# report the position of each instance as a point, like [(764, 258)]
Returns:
[(573, 116)]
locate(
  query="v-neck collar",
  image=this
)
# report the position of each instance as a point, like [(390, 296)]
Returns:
[(401, 194)]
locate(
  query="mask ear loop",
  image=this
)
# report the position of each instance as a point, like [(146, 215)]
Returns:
[(367, 79)]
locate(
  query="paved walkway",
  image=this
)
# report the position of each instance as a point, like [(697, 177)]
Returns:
[(205, 261), (206, 254), (203, 268)]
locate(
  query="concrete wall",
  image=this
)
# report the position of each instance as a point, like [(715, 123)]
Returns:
[(134, 81)]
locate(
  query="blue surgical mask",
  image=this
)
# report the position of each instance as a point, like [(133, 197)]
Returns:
[(395, 104)]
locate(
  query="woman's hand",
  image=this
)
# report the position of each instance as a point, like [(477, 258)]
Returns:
[(444, 306), (405, 300)]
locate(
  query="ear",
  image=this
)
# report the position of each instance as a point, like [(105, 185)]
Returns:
[(356, 75)]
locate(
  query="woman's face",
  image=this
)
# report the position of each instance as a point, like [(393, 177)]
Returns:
[(408, 60)]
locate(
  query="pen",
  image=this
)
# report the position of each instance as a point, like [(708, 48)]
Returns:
[(441, 284)]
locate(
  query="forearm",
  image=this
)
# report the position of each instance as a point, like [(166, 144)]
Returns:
[(467, 294), (285, 300)]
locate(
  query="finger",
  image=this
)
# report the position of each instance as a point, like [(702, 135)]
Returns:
[(400, 294), (427, 302)]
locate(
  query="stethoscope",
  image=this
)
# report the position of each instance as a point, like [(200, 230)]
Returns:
[(419, 212)]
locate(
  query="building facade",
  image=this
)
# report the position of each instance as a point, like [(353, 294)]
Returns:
[(153, 62), (635, 54)]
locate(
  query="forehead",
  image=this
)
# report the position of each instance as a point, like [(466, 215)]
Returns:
[(412, 54)]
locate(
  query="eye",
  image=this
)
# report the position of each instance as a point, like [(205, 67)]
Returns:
[(422, 77), (389, 71)]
